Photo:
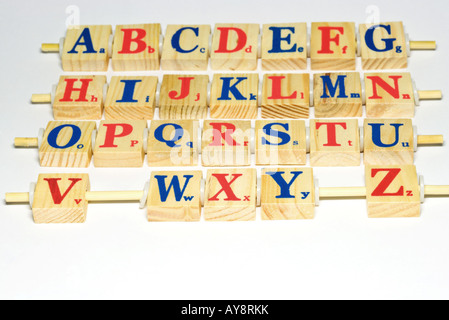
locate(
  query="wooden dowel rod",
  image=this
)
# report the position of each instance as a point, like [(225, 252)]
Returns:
[(430, 94), (50, 47), (436, 191), (23, 197), (41, 98), (112, 196), (423, 45), (430, 140), (349, 192), (26, 142)]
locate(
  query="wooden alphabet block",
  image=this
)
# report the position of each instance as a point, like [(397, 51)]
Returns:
[(286, 96), (388, 142), (131, 98), (333, 46), (226, 143), (338, 95), (61, 198), (284, 46), (235, 47), (230, 195), (186, 48), (288, 194), (175, 196), (183, 97), (173, 143), (79, 98), (392, 191), (67, 144), (334, 143), (383, 46), (120, 144), (136, 47), (281, 142), (86, 48), (234, 96)]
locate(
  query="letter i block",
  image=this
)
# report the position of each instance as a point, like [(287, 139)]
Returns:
[(389, 142), (286, 96), (120, 144), (183, 97), (79, 98), (67, 144), (334, 143), (230, 195), (186, 48), (383, 46), (136, 47), (281, 142), (284, 46), (235, 47), (333, 46), (337, 95), (389, 95), (288, 194), (131, 98), (61, 198), (175, 196), (86, 48), (392, 192), (173, 143), (234, 96)]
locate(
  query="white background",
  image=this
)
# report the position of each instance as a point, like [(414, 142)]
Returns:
[(117, 254)]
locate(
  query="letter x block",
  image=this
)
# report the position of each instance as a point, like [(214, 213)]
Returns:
[(288, 194), (392, 191), (230, 195), (334, 143), (61, 198)]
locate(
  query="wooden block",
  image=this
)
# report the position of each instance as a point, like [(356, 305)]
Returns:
[(186, 48), (389, 95), (388, 142), (286, 96), (173, 143), (230, 195), (183, 97), (131, 98), (392, 191), (226, 143), (136, 47), (284, 46), (338, 95), (333, 46), (67, 144), (383, 46), (175, 196), (120, 144), (288, 194), (334, 143), (79, 98), (61, 198), (281, 142), (234, 96), (86, 48), (235, 47)]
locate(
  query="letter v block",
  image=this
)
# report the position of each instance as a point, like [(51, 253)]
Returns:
[(175, 196), (230, 195), (392, 191), (61, 198), (288, 194)]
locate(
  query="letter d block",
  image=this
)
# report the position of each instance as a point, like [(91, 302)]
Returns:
[(61, 198), (392, 191)]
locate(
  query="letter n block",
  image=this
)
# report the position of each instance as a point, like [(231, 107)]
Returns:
[(230, 195), (392, 191), (61, 198)]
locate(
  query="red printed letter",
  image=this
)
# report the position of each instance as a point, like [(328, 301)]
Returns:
[(224, 37), (226, 187), (70, 88), (111, 129), (185, 89), (326, 38), (56, 192), (219, 135), (393, 91), (276, 89), (331, 132), (128, 40), (386, 182)]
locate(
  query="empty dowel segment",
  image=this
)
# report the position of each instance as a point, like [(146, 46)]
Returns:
[(436, 191), (430, 94), (423, 45), (430, 140), (50, 47), (349, 192), (23, 197), (41, 98), (26, 142), (112, 196)]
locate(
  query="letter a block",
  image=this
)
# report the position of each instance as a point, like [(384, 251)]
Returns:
[(392, 192), (67, 144), (175, 196), (230, 195), (120, 144), (61, 198), (183, 97), (288, 194)]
